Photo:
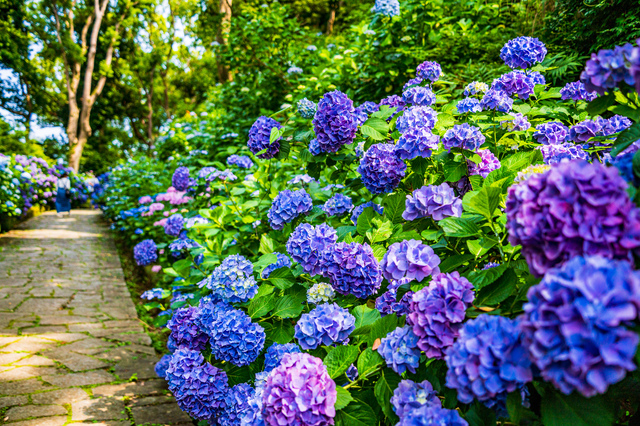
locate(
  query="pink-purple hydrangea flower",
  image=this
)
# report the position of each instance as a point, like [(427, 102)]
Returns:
[(435, 201), (352, 269), (409, 259), (381, 169)]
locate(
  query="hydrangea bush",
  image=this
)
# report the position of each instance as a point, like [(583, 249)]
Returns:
[(414, 260)]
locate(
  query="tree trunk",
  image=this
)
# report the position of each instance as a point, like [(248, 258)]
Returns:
[(331, 21), (150, 111), (222, 37), (76, 152)]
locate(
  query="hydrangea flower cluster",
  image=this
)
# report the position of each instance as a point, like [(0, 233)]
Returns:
[(299, 392), (437, 312), (320, 293), (574, 324), (557, 153), (359, 209), (430, 415), (393, 101), (232, 281), (198, 387), (552, 132), (608, 68), (488, 164), (585, 130), (306, 244), (488, 360), (305, 178), (577, 91), (429, 70), (260, 137), (352, 269), (282, 261), (435, 201), (287, 206), (185, 332), (180, 179), (416, 142), (468, 105), (575, 208), (463, 136), (475, 88), (162, 366), (496, 100), (145, 252), (307, 108), (324, 325), (624, 163), (417, 117), (337, 205), (174, 225), (410, 395), (155, 293), (400, 351), (241, 161), (419, 95), (335, 123), (518, 124), (409, 259), (276, 352), (387, 303), (523, 52), (388, 8), (236, 405), (381, 169), (515, 83)]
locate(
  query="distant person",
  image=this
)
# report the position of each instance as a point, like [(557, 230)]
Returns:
[(63, 202)]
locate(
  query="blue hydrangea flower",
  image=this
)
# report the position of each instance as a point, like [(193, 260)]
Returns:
[(282, 261), (608, 68), (496, 100), (624, 163), (359, 209), (416, 142), (519, 123), (488, 359), (260, 137), (574, 324), (490, 265), (556, 153), (294, 70), (236, 405), (232, 281), (306, 108), (145, 252), (400, 351), (410, 395), (180, 179), (287, 206), (537, 77), (429, 70), (337, 205), (335, 123), (162, 366), (314, 147), (468, 105), (352, 269), (523, 52), (488, 164), (419, 95), (138, 231), (388, 8), (413, 82), (320, 293), (352, 373), (393, 101), (435, 201), (552, 132), (155, 293), (387, 304), (515, 83), (306, 244), (185, 332), (324, 325), (275, 352), (242, 161), (577, 91), (430, 415), (585, 130), (369, 107), (305, 178), (174, 225), (463, 136), (417, 117), (615, 124), (381, 169)]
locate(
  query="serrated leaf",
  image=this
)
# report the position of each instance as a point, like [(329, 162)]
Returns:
[(365, 220), (378, 124), (339, 359), (372, 133), (484, 202), (368, 361), (279, 332), (483, 278), (288, 306), (498, 291), (364, 316), (343, 231), (394, 206), (381, 328), (261, 306), (452, 262), (454, 170), (343, 398), (282, 278), (264, 261), (267, 245), (383, 390), (459, 227), (356, 413), (381, 233), (561, 410)]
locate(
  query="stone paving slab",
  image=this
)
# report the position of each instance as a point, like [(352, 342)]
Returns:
[(72, 349)]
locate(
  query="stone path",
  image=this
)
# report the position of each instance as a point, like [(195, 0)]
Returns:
[(72, 350)]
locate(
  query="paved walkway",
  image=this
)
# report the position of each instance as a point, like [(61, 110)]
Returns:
[(72, 350)]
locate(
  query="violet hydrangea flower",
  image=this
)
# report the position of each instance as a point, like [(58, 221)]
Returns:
[(468, 105), (359, 209), (325, 325), (585, 130), (306, 244), (417, 117), (185, 332), (496, 100), (242, 161), (400, 351), (276, 352), (387, 304), (435, 201), (337, 205), (608, 68), (282, 261), (180, 179), (419, 95), (463, 136), (352, 269), (431, 415), (306, 108), (409, 259), (411, 395), (381, 169), (314, 148), (335, 123), (523, 52), (429, 70), (488, 163), (287, 206), (155, 293), (556, 153), (552, 132), (577, 91), (174, 225), (236, 405), (515, 83), (162, 366), (416, 142), (260, 137), (145, 252)]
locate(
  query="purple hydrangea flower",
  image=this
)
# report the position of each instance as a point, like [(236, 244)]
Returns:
[(306, 108), (437, 312), (381, 169), (335, 122), (369, 107), (490, 265), (198, 387), (410, 395), (388, 8), (430, 415), (489, 359), (468, 105), (305, 178), (325, 325), (417, 117), (242, 161), (624, 163), (435, 201), (155, 293), (180, 179), (352, 373), (463, 136), (162, 366), (353, 269), (488, 164), (519, 123), (577, 91), (337, 205), (515, 83), (575, 208), (185, 332), (615, 124), (282, 261), (275, 352), (387, 303), (237, 404), (419, 95), (608, 68), (523, 52), (314, 147), (574, 324), (393, 101), (413, 82), (287, 206), (416, 142), (556, 153), (174, 225), (400, 351), (145, 252), (496, 100), (585, 130), (537, 77), (260, 137), (429, 70), (359, 209), (306, 244), (320, 293), (409, 259), (299, 392), (553, 132), (232, 281)]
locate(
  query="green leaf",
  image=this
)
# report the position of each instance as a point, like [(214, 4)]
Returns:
[(381, 233), (368, 362), (382, 327), (372, 133), (459, 227), (452, 262), (484, 202), (288, 306), (364, 316), (454, 170), (356, 413), (561, 410), (267, 245), (365, 220), (343, 231), (282, 278), (261, 306), (498, 291), (483, 278), (275, 134), (378, 251), (625, 139), (514, 407), (343, 398), (380, 125), (600, 104), (264, 261), (285, 148), (279, 332), (339, 359), (394, 205), (386, 384)]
